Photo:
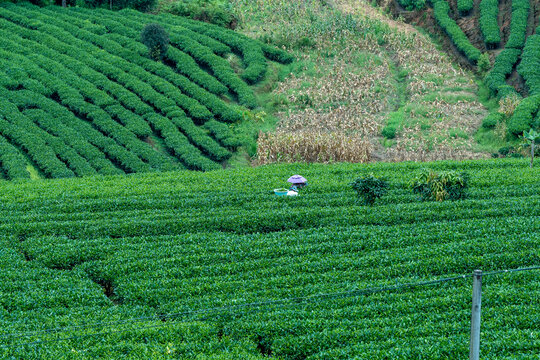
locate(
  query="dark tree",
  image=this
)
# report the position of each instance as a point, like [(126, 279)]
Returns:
[(156, 40)]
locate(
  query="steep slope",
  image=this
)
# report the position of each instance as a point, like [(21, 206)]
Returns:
[(79, 94), (365, 88)]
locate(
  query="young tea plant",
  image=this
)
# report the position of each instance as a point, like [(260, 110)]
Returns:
[(441, 186), (370, 188)]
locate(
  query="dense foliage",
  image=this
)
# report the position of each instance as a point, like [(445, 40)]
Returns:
[(156, 40), (505, 61), (524, 116), (81, 96), (212, 11), (529, 67), (76, 252), (465, 6), (503, 66), (488, 20), (518, 25), (370, 188), (412, 4), (440, 186), (141, 5)]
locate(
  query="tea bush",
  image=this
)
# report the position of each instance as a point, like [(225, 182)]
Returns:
[(370, 188)]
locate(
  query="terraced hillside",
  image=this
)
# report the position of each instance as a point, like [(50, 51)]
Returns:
[(80, 96), (183, 252)]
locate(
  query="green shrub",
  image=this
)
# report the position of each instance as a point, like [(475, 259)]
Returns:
[(156, 40), (440, 186), (370, 188), (492, 120), (210, 11), (413, 4), (524, 115), (464, 6), (35, 2), (496, 78), (518, 25), (484, 64)]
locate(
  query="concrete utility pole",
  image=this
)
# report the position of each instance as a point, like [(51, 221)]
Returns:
[(474, 353)]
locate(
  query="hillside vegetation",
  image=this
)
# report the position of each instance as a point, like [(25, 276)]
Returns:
[(364, 87), (79, 256), (501, 38), (79, 94)]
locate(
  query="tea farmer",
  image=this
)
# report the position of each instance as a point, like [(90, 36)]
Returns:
[(297, 182)]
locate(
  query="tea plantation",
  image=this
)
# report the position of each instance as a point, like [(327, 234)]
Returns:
[(79, 94), (161, 266)]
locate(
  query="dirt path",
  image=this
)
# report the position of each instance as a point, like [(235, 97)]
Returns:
[(531, 21), (505, 18)]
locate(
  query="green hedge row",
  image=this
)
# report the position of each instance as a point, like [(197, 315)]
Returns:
[(12, 161), (17, 131), (489, 25), (121, 46), (187, 66), (523, 118), (75, 102), (223, 134), (78, 164), (49, 72), (219, 66), (460, 40), (124, 35), (79, 134), (176, 24), (94, 250), (505, 61), (168, 108), (529, 68), (503, 66), (115, 86), (191, 157), (155, 87), (60, 122), (518, 25), (88, 89), (217, 106), (250, 50), (198, 136)]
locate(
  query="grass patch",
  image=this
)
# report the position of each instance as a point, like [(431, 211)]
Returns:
[(34, 173)]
